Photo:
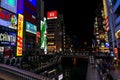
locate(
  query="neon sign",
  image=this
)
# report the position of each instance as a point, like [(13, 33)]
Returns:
[(6, 37), (31, 28), (10, 5), (20, 35), (20, 6), (8, 19)]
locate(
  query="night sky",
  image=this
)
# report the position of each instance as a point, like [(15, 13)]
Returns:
[(78, 16)]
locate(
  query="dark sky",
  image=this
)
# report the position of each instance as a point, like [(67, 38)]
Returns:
[(78, 15)]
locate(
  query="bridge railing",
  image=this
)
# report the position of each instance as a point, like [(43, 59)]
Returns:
[(23, 74), (76, 54)]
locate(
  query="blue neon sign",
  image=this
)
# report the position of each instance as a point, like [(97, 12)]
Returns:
[(10, 5), (31, 28), (33, 2)]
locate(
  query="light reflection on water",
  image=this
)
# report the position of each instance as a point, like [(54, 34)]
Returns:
[(70, 71)]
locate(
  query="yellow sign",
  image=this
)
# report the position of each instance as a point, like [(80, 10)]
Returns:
[(105, 8), (19, 35)]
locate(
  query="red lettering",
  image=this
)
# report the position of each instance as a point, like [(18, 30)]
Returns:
[(21, 19), (7, 17), (20, 46), (19, 51), (4, 16), (19, 40)]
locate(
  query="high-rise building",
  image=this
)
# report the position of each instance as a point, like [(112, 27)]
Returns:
[(55, 32), (101, 29), (116, 17)]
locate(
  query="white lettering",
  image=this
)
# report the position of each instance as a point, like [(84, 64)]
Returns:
[(6, 37)]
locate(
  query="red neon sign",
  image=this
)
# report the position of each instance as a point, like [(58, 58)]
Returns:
[(4, 16)]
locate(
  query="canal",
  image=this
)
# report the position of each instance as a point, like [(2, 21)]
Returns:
[(67, 70)]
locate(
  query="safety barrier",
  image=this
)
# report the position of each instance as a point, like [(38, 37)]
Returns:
[(23, 74)]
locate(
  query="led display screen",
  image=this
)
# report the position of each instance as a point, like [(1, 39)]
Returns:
[(30, 11), (31, 27), (8, 38), (32, 2), (8, 19), (10, 5), (20, 6)]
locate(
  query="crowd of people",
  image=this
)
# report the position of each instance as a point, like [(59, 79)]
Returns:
[(103, 69)]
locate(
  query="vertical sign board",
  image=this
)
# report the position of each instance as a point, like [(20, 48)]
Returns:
[(20, 35), (43, 34)]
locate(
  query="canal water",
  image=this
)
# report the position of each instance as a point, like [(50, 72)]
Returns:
[(67, 70)]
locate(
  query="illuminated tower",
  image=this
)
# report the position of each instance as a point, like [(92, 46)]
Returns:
[(55, 31)]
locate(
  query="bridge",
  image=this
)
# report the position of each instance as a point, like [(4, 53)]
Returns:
[(86, 55)]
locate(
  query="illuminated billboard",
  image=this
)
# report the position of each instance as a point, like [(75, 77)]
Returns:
[(8, 19), (106, 15), (52, 15), (29, 17), (10, 5), (8, 38), (20, 6), (30, 11), (43, 35), (32, 2), (20, 35), (31, 28)]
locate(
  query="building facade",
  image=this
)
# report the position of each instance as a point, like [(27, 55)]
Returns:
[(55, 32)]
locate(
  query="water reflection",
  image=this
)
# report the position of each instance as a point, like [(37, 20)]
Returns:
[(75, 72), (70, 71)]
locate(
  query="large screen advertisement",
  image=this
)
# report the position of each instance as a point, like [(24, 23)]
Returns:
[(8, 19), (8, 38), (10, 5), (31, 28), (29, 17), (30, 11)]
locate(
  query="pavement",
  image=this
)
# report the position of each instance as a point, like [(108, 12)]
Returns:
[(115, 74), (8, 76), (92, 73)]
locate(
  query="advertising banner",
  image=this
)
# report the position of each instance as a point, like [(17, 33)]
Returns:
[(52, 15), (30, 11), (8, 38), (20, 35), (10, 5), (43, 35), (20, 6), (31, 28), (8, 19)]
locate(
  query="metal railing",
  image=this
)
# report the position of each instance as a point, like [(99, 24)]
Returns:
[(23, 74)]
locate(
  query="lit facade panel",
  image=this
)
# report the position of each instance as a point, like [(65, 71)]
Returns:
[(116, 5), (10, 5)]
